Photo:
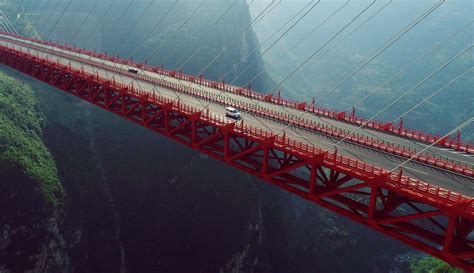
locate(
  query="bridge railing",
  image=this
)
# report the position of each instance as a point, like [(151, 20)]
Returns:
[(305, 123), (342, 116), (397, 181)]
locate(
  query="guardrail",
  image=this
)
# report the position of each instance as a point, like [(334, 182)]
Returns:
[(387, 127), (438, 201), (287, 118)]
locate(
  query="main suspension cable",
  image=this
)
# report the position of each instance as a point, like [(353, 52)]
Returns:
[(403, 95), (120, 39), (387, 45), (8, 24), (410, 65), (71, 22), (307, 35), (81, 25), (101, 18), (280, 37), (204, 36), (162, 20), (268, 38), (461, 126), (40, 13), (174, 50), (252, 23), (433, 94), (338, 42), (52, 13), (118, 20), (51, 31), (256, 104)]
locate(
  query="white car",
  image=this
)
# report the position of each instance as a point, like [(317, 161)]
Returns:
[(232, 113)]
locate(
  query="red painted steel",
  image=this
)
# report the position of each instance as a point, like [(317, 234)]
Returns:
[(431, 219), (287, 118), (455, 144)]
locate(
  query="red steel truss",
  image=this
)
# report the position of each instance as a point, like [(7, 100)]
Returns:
[(352, 118), (428, 218), (294, 120)]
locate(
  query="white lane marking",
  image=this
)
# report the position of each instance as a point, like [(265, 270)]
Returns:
[(444, 149), (415, 170)]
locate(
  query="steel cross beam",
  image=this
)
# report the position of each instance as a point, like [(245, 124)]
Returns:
[(427, 218)]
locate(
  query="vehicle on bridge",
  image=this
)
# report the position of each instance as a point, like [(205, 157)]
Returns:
[(133, 70), (232, 113)]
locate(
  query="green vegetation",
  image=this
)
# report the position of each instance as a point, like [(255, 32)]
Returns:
[(20, 138), (432, 265)]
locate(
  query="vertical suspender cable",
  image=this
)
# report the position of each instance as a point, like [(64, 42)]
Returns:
[(269, 37), (177, 31), (150, 59), (204, 36), (51, 31), (137, 21), (118, 20), (307, 35), (81, 25), (410, 65), (387, 45), (52, 13), (162, 20), (101, 18), (257, 19), (403, 95)]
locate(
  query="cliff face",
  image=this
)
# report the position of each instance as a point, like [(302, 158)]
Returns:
[(31, 196), (136, 202), (156, 32)]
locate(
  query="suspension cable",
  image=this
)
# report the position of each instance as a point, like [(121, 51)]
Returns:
[(403, 95), (462, 125), (335, 35), (387, 45), (280, 37), (18, 7), (257, 19), (51, 30), (257, 103), (404, 69), (95, 70), (204, 36), (7, 23), (159, 23), (269, 37), (101, 18), (71, 23), (120, 39), (26, 7), (80, 26), (433, 94), (352, 31), (36, 6), (52, 13), (41, 12), (175, 49), (118, 20), (317, 51), (4, 27), (413, 108), (307, 35)]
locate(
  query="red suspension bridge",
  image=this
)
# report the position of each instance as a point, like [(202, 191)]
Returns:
[(410, 185)]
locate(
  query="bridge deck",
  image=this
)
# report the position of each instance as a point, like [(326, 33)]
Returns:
[(437, 176)]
